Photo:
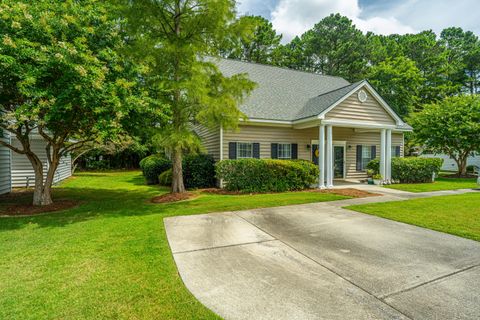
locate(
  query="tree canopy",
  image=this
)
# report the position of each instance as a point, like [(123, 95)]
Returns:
[(451, 126), (61, 78)]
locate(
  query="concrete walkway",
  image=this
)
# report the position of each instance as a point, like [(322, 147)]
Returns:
[(319, 261)]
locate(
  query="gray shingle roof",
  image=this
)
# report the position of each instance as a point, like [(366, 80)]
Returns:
[(285, 94)]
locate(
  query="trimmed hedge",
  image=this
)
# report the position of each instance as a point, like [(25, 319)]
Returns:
[(199, 171), (410, 169), (153, 165), (266, 175), (165, 178)]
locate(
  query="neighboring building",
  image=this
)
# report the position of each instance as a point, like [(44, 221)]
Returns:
[(5, 167), (17, 171), (449, 164), (291, 111)]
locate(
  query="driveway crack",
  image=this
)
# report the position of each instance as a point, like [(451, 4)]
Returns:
[(427, 282)]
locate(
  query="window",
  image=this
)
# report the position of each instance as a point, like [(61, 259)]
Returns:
[(244, 150), (366, 156), (395, 151), (284, 151)]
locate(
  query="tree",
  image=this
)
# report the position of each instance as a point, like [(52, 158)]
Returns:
[(337, 48), (397, 80), (431, 58), (62, 78), (451, 126), (174, 39), (256, 45), (464, 54)]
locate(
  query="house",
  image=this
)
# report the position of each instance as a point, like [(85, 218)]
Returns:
[(5, 166), (17, 171), (449, 164), (340, 126)]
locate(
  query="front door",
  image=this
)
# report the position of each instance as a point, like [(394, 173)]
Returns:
[(315, 153), (338, 162)]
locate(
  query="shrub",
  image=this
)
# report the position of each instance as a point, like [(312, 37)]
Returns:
[(165, 178), (471, 168), (152, 166), (410, 169), (199, 171), (266, 175)]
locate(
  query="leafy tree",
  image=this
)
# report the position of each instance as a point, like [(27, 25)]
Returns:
[(464, 53), (451, 126), (256, 45), (337, 48), (61, 78), (431, 58), (397, 80), (173, 39)]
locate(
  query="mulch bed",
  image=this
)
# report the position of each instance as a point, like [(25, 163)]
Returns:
[(174, 197), (18, 210), (350, 192)]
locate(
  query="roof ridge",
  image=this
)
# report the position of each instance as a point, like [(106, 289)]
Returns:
[(279, 67), (348, 85)]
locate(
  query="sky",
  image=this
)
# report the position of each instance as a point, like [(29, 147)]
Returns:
[(293, 17)]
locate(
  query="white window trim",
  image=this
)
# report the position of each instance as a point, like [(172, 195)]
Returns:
[(369, 148), (238, 150), (278, 150)]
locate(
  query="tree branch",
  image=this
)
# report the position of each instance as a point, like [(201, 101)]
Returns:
[(9, 146)]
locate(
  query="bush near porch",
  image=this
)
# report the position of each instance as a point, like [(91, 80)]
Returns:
[(266, 175), (411, 169)]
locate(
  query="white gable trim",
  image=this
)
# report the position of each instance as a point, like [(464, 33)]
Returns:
[(374, 93)]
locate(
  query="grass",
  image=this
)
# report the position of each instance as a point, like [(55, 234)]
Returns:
[(109, 257), (439, 184), (458, 214)]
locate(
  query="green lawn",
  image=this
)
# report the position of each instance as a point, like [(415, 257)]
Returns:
[(457, 214), (439, 184), (109, 257)]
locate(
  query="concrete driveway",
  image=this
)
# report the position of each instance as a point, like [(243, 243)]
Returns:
[(319, 261)]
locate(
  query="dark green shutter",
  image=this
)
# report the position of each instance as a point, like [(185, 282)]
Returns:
[(359, 157), (274, 151), (232, 150), (373, 154), (294, 151), (256, 150)]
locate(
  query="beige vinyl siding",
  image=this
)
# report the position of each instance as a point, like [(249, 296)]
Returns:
[(5, 168), (210, 140), (22, 170), (352, 109), (266, 135), (353, 139)]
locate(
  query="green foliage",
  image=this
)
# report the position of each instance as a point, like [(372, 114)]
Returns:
[(411, 169), (265, 175), (152, 166), (451, 126), (258, 45), (397, 80), (61, 74), (174, 39), (199, 171), (165, 178)]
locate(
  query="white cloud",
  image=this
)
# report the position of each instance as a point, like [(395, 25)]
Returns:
[(294, 17)]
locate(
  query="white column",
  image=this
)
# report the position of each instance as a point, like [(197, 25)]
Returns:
[(329, 157), (221, 153), (383, 148), (388, 157), (321, 156)]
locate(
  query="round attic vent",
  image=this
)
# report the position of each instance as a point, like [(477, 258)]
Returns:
[(362, 96)]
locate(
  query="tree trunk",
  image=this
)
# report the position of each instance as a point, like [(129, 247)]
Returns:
[(42, 194), (177, 173), (462, 170)]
